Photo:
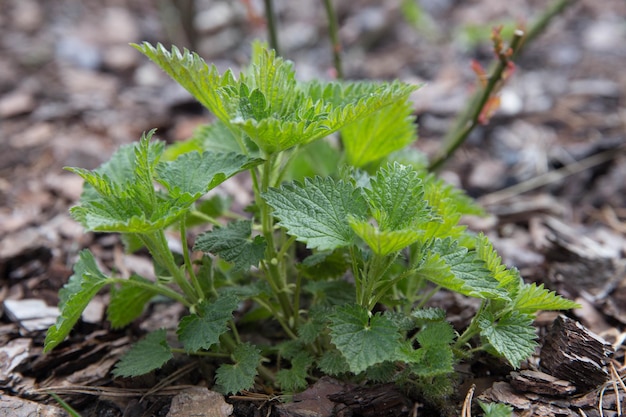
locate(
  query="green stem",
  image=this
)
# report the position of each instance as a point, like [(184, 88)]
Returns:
[(202, 353), (154, 287), (389, 285), (333, 29), (375, 272), (157, 245), (271, 25), (204, 217), (276, 314), (472, 330), (187, 257), (428, 296), (271, 264), (233, 328)]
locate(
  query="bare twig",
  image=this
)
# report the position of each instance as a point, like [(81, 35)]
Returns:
[(470, 117)]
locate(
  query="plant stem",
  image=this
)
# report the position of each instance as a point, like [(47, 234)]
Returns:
[(471, 330), (157, 245), (154, 287), (271, 25), (277, 280), (470, 118), (204, 217), (428, 296), (202, 353), (377, 267), (276, 314), (333, 31), (356, 274), (187, 258)]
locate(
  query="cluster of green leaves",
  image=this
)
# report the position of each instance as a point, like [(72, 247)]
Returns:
[(381, 237)]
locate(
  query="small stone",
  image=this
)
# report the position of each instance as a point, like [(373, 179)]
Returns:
[(11, 355), (218, 16), (120, 58), (510, 102), (31, 314), (198, 401), (605, 35), (27, 15), (16, 103), (489, 174), (78, 53), (219, 43), (119, 26), (19, 407)]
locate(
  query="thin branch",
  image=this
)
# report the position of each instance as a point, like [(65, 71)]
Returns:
[(469, 118), (333, 31), (271, 25)]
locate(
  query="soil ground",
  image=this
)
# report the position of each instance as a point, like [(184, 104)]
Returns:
[(549, 169)]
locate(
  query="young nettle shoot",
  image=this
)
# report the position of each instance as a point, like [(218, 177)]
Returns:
[(344, 260)]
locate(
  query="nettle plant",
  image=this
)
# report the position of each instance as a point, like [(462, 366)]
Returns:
[(343, 262)]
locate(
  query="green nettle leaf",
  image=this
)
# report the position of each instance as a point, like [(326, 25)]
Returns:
[(512, 335), (454, 267), (333, 363), (267, 104), (363, 340), (531, 298), (128, 301), (496, 409), (382, 372), (434, 361), (233, 244), (123, 204), (508, 278), (436, 334), (82, 286), (148, 354), (322, 265), (371, 139), (316, 158), (434, 356), (294, 379), (131, 204), (448, 204), (317, 211), (192, 175), (383, 242), (429, 314), (204, 82), (216, 137), (396, 198), (438, 189), (240, 376), (331, 293), (203, 330), (310, 330)]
